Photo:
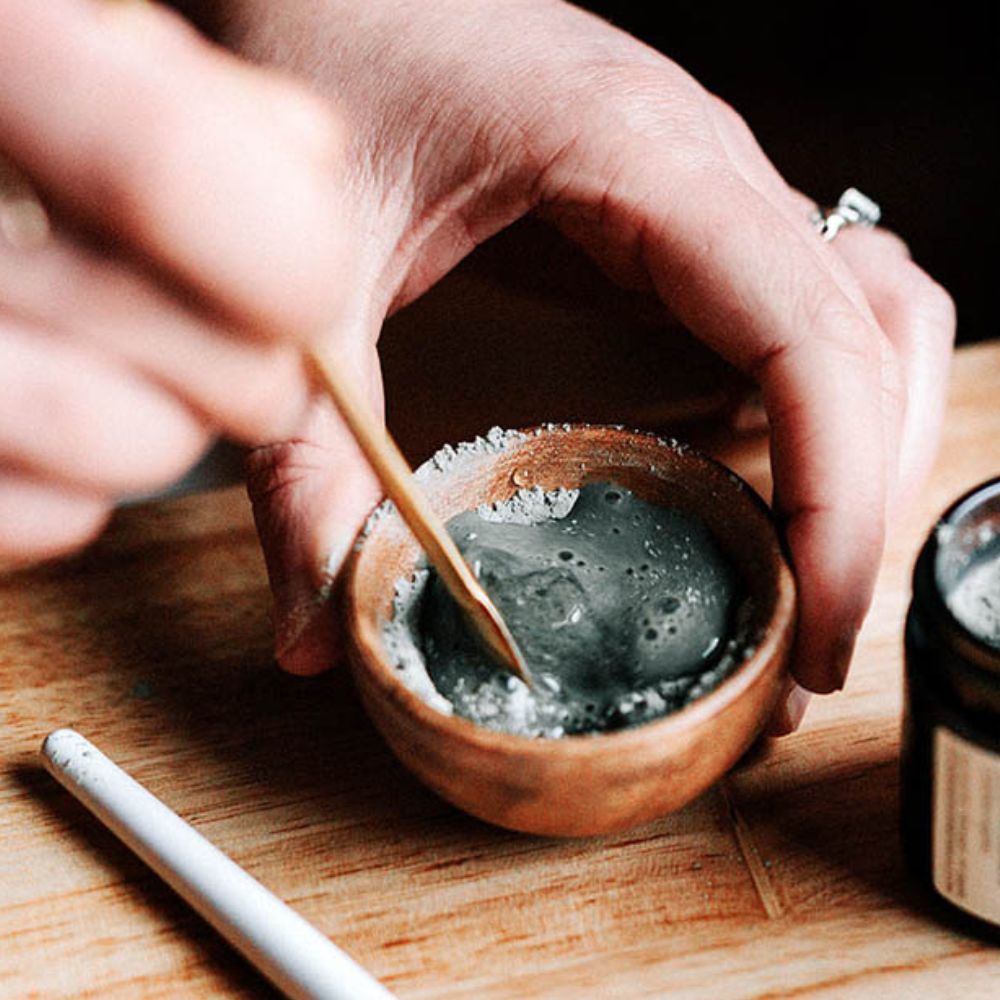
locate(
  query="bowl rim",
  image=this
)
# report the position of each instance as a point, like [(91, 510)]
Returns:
[(691, 717)]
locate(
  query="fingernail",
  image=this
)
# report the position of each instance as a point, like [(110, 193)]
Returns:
[(788, 716), (796, 705), (291, 623), (308, 644), (843, 652), (303, 622)]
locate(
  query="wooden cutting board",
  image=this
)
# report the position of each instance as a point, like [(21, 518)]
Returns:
[(785, 881)]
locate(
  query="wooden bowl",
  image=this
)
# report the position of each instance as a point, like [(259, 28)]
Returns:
[(577, 785)]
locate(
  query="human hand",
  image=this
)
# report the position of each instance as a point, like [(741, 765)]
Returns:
[(464, 116), (195, 245)]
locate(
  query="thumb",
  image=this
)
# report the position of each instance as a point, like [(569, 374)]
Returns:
[(310, 495)]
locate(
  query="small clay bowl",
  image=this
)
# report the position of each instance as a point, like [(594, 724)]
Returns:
[(577, 785)]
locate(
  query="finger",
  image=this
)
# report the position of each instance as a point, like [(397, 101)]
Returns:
[(39, 520), (918, 317), (69, 416), (748, 282), (753, 165), (219, 173), (812, 535), (791, 710), (251, 390), (919, 320), (310, 496)]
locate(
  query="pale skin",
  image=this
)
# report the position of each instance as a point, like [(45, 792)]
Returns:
[(208, 218)]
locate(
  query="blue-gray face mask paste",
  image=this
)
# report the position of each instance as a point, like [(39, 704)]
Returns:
[(624, 612)]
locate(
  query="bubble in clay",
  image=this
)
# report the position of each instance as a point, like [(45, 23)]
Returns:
[(616, 629)]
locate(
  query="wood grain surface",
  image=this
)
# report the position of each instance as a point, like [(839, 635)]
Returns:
[(785, 881)]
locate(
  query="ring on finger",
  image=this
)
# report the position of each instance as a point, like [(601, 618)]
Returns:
[(852, 209)]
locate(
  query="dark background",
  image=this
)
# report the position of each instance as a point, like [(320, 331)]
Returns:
[(901, 103)]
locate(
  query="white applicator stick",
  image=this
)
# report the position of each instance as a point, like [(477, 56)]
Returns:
[(296, 957)]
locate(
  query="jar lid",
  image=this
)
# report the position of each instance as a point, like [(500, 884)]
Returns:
[(957, 576)]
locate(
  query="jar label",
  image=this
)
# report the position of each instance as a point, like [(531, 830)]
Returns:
[(966, 831)]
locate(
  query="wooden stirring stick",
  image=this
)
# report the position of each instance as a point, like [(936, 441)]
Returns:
[(394, 473)]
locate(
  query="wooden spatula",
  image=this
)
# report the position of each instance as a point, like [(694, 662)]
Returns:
[(397, 480)]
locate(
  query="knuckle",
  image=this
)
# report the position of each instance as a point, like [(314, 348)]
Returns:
[(274, 470), (730, 116), (838, 326), (710, 198), (158, 165), (938, 305), (256, 399), (131, 176), (138, 117), (921, 303), (652, 108), (893, 240), (310, 119)]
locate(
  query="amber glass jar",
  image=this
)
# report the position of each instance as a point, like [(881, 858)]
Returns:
[(951, 720)]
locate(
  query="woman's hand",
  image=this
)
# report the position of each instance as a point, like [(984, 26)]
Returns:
[(463, 115), (195, 243)]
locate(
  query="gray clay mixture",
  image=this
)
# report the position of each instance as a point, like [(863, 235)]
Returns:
[(624, 612), (975, 599)]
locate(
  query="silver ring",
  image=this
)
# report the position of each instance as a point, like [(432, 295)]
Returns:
[(853, 209)]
